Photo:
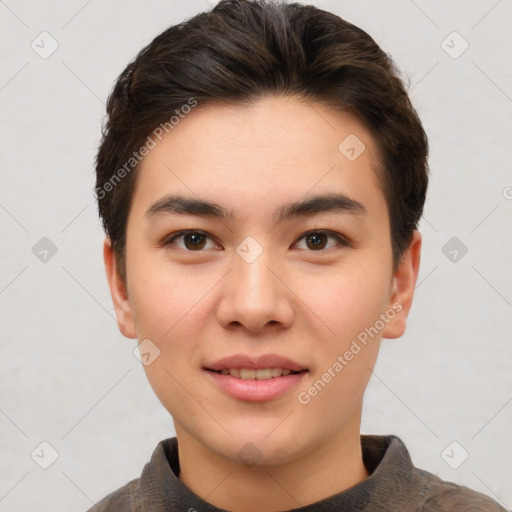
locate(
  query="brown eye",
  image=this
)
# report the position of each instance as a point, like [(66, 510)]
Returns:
[(316, 241), (190, 241), (319, 240), (194, 241)]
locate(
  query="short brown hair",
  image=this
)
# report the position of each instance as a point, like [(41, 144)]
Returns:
[(239, 51)]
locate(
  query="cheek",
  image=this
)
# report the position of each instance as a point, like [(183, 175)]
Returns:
[(171, 308), (162, 299), (350, 305), (347, 301), (334, 394)]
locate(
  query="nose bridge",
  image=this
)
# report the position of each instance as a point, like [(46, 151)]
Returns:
[(255, 284), (254, 296)]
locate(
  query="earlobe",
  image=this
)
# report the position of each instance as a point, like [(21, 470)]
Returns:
[(118, 292), (404, 283)]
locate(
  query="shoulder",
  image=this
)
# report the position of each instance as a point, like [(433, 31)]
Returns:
[(124, 499), (416, 489), (451, 497), (145, 492)]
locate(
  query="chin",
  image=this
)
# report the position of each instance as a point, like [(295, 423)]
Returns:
[(258, 446)]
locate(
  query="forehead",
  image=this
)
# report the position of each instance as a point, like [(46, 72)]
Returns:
[(248, 158)]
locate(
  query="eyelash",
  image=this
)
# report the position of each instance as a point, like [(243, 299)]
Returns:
[(343, 241)]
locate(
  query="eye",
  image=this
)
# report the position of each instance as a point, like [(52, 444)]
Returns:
[(318, 240), (195, 241), (192, 240)]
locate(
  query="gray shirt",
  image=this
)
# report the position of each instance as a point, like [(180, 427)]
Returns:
[(394, 485)]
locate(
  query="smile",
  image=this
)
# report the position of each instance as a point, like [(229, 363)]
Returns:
[(259, 385), (260, 374)]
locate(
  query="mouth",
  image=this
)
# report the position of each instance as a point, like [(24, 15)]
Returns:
[(261, 379), (257, 374)]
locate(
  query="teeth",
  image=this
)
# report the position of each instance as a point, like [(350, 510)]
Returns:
[(261, 374), (264, 374), (246, 373)]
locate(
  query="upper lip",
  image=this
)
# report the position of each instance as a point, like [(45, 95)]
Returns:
[(256, 363)]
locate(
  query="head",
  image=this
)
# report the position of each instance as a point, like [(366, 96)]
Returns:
[(281, 138)]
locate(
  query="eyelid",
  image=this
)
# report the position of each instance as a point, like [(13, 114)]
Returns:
[(343, 241), (169, 239)]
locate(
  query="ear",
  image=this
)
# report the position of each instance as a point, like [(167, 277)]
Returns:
[(118, 292), (404, 283)]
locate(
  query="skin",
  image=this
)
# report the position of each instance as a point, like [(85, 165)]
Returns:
[(308, 304)]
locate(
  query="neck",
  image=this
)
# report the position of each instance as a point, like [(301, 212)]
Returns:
[(329, 467)]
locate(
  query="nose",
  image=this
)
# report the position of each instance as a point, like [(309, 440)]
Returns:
[(255, 295)]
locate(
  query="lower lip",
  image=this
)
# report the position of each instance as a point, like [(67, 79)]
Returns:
[(256, 390)]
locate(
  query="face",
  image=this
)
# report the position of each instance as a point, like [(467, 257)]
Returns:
[(289, 267)]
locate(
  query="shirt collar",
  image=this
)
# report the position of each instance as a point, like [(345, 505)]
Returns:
[(385, 457)]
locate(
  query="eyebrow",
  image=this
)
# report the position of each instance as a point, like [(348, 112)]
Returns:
[(314, 205)]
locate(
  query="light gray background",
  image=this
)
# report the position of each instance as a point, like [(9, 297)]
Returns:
[(68, 377)]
